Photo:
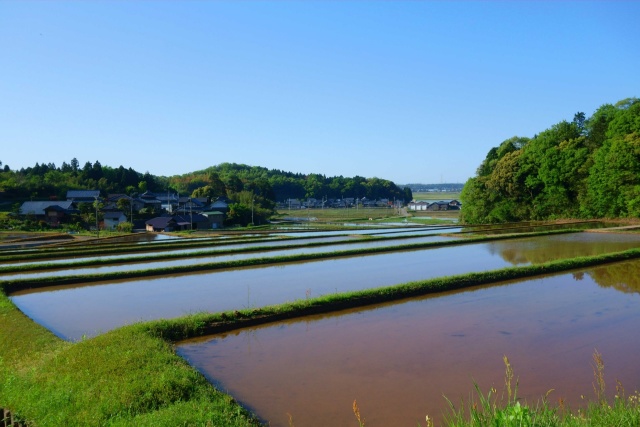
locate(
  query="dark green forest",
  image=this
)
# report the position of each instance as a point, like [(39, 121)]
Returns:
[(47, 181), (586, 168)]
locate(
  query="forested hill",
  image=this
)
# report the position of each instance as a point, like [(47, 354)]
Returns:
[(588, 168), (279, 185), (46, 181)]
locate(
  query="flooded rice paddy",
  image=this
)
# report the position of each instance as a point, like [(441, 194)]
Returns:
[(75, 311), (268, 250), (398, 360)]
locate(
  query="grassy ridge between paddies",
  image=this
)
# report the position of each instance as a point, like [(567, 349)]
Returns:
[(13, 285), (27, 267), (111, 249), (131, 376), (123, 378), (94, 262)]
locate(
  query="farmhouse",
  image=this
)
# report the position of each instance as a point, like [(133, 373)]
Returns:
[(113, 218), (52, 212)]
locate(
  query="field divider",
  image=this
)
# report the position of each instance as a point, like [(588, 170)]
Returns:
[(13, 285), (217, 252), (202, 324), (111, 249)]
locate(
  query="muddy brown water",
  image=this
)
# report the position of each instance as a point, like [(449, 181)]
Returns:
[(73, 311), (399, 360)]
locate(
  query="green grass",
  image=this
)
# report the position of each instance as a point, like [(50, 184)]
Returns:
[(339, 215), (506, 409), (123, 378), (435, 196)]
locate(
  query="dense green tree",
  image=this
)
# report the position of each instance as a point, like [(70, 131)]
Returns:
[(588, 167)]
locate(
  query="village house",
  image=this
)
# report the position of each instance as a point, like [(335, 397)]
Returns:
[(182, 222), (112, 202), (52, 212), (113, 218)]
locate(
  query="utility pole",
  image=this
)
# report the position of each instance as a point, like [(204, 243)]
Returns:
[(252, 200), (97, 225)]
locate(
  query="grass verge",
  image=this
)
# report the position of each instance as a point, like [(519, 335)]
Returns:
[(122, 378)]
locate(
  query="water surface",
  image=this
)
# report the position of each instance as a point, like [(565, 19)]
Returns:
[(398, 360), (73, 311)]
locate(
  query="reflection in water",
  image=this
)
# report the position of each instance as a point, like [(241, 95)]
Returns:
[(624, 276), (398, 360), (537, 250)]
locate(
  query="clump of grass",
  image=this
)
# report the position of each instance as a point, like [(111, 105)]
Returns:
[(356, 412), (486, 409)]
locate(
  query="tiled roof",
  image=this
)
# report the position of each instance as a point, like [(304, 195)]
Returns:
[(37, 208), (83, 194)]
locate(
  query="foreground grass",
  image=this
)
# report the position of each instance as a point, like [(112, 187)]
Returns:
[(507, 410), (123, 378), (131, 376)]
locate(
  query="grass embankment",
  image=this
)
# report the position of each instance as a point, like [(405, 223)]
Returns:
[(208, 248), (131, 376), (124, 378), (13, 285), (26, 267), (61, 252)]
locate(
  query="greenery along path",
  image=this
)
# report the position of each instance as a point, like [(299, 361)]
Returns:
[(132, 377), (12, 285)]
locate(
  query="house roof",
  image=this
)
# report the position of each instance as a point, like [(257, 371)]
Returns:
[(219, 204), (82, 194), (54, 208), (196, 217), (37, 208), (160, 221), (113, 215)]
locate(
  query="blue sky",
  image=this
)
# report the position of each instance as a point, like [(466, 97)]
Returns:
[(412, 91)]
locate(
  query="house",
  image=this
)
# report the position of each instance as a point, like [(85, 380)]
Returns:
[(292, 204), (150, 201), (161, 223), (438, 206), (188, 204), (454, 204), (178, 222), (193, 221), (78, 196), (113, 218), (221, 204), (112, 202), (418, 206), (52, 212), (216, 219)]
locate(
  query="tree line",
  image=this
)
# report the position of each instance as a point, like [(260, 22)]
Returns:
[(278, 186), (251, 186), (586, 168)]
